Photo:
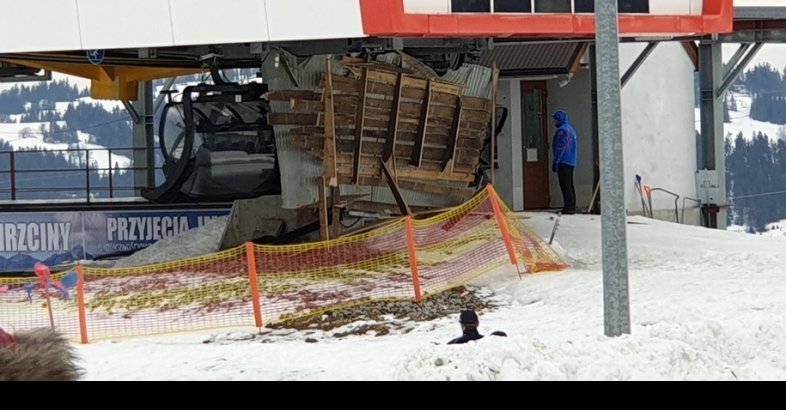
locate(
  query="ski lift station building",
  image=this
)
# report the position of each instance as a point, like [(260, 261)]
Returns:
[(544, 51)]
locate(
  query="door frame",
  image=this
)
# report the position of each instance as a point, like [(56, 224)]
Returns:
[(541, 168)]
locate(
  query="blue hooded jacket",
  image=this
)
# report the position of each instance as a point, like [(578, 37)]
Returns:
[(564, 143)]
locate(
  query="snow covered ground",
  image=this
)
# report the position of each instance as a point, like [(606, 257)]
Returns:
[(705, 304)]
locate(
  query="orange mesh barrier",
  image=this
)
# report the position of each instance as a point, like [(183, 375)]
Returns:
[(255, 285), (23, 305)]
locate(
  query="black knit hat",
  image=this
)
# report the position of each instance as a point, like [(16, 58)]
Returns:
[(468, 317)]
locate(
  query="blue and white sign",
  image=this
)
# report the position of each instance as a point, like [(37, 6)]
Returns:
[(62, 237), (96, 56)]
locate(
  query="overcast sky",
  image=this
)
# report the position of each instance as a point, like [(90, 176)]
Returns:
[(775, 54)]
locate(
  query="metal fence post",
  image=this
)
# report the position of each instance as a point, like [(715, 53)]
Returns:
[(616, 299)]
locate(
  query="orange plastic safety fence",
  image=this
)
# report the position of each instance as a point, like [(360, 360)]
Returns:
[(211, 291), (214, 291), (23, 305)]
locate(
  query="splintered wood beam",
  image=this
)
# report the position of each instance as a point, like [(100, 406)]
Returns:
[(417, 153), (417, 65), (324, 234), (402, 204), (306, 106), (335, 199), (395, 115), (455, 131), (415, 185), (360, 119), (286, 95), (329, 161)]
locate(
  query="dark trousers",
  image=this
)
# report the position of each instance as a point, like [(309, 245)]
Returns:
[(565, 175)]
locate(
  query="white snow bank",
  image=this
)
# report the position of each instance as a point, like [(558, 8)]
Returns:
[(195, 242)]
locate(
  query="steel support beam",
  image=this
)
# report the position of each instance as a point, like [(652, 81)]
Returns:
[(638, 62), (144, 138), (616, 298), (162, 95), (765, 35), (732, 72), (132, 112), (47, 76), (712, 155), (741, 50)]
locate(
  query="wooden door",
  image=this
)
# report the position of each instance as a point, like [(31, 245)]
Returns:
[(535, 135)]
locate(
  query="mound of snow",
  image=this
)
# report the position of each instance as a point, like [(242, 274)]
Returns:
[(195, 242)]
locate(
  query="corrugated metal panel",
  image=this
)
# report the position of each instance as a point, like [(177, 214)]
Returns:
[(542, 58), (476, 78), (299, 171)]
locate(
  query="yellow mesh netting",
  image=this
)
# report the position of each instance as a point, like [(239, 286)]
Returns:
[(214, 291)]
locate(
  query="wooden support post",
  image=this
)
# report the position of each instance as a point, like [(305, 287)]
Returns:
[(594, 195), (80, 303), (417, 153), (493, 148), (360, 120), (253, 280), (413, 258), (335, 199), (502, 222), (402, 204), (324, 235), (395, 116), (329, 159), (455, 131)]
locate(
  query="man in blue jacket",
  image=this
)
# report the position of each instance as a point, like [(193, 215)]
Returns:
[(564, 160)]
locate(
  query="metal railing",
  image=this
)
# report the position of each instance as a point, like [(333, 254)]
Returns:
[(84, 174), (676, 202)]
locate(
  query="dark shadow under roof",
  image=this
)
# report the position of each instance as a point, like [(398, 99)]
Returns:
[(522, 59), (760, 13)]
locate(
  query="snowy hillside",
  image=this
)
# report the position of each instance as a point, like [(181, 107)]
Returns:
[(25, 135), (22, 134), (777, 229), (28, 136), (742, 122)]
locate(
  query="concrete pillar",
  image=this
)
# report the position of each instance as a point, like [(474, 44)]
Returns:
[(510, 176)]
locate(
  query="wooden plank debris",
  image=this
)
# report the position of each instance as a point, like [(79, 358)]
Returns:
[(383, 125), (360, 118), (402, 204), (417, 152), (330, 130)]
